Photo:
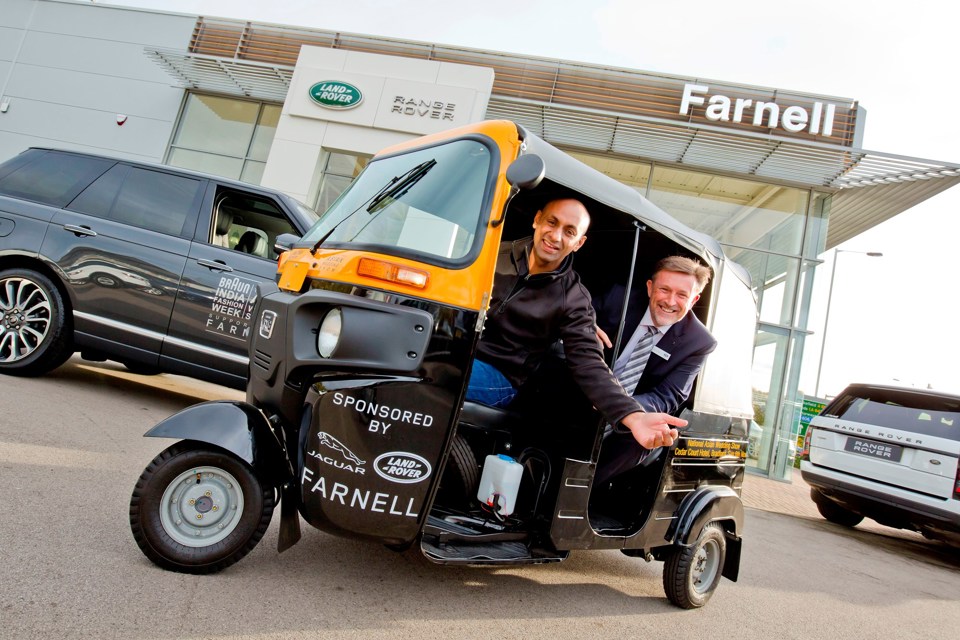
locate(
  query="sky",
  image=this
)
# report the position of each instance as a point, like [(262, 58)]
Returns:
[(891, 317)]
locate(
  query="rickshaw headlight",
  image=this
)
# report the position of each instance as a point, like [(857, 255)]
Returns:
[(328, 336)]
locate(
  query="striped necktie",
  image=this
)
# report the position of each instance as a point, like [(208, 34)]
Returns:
[(630, 374)]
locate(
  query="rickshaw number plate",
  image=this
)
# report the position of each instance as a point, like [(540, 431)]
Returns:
[(891, 452), (293, 276)]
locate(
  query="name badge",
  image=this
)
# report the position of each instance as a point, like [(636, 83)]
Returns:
[(660, 352)]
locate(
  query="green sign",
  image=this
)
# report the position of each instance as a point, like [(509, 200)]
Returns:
[(333, 94), (811, 408)]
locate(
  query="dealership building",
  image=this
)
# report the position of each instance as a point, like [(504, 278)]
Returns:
[(777, 176)]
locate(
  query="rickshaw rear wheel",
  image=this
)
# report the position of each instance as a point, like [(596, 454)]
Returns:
[(462, 474), (691, 574), (198, 509)]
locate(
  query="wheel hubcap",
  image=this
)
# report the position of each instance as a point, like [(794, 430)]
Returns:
[(201, 506), (25, 319), (705, 564)]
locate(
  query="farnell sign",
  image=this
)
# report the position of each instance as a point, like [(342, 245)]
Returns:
[(721, 108), (336, 95)]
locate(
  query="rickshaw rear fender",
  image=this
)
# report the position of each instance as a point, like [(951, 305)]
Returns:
[(238, 427), (711, 504)]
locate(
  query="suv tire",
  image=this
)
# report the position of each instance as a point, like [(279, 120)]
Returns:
[(833, 512), (35, 334)]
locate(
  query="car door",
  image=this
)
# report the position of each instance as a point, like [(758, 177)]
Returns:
[(231, 254), (121, 245)]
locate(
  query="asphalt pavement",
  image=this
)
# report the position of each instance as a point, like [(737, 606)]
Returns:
[(71, 448), (792, 498)]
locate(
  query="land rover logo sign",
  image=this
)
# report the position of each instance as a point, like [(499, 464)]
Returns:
[(336, 95), (402, 467)]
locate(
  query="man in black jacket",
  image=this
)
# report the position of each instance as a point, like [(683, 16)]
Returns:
[(538, 299)]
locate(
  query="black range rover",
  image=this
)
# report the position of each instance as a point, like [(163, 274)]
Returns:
[(149, 265)]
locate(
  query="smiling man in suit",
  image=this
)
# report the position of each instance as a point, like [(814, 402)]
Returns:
[(662, 358)]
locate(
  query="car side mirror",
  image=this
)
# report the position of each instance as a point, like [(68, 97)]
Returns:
[(285, 242), (526, 172)]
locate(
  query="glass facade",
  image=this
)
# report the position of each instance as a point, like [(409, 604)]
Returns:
[(334, 173), (224, 136)]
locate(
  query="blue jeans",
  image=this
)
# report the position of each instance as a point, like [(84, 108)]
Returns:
[(488, 386)]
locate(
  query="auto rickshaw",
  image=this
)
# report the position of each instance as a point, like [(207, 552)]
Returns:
[(355, 418)]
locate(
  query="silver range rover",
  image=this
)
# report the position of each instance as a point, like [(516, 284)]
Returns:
[(890, 454)]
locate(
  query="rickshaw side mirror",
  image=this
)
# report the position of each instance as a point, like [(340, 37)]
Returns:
[(526, 172)]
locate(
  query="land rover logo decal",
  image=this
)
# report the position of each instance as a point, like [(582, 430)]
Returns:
[(402, 467), (336, 95)]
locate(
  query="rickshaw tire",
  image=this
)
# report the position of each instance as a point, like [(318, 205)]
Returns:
[(691, 574), (463, 466), (163, 473)]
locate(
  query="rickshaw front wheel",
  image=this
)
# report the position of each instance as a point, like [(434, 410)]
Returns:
[(198, 509), (691, 574)]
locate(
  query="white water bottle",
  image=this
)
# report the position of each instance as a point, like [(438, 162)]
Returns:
[(500, 483)]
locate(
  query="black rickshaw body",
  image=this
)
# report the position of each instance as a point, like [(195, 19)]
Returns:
[(360, 356)]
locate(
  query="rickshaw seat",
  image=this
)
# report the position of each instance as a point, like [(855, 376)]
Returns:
[(481, 415)]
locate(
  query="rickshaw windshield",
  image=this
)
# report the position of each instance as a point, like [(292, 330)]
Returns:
[(427, 203)]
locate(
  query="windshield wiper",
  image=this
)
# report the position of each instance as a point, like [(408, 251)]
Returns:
[(395, 188), (401, 184)]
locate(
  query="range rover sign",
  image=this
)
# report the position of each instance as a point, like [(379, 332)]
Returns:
[(333, 94)]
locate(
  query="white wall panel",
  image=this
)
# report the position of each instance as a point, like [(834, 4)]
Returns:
[(360, 139), (9, 43), (290, 167), (15, 13), (301, 130), (96, 91), (56, 125), (115, 59), (78, 67), (117, 24)]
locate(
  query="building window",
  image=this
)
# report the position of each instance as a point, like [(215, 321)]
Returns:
[(334, 173), (224, 136)]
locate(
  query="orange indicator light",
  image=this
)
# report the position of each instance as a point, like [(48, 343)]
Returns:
[(392, 272)]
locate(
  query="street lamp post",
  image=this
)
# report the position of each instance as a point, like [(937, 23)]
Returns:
[(826, 319)]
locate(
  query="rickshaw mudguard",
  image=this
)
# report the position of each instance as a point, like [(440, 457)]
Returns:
[(708, 504), (244, 431), (238, 427)]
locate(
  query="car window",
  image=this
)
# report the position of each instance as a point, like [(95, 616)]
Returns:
[(919, 413), (143, 198), (247, 223), (49, 178)]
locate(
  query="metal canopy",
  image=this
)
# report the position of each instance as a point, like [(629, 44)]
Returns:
[(869, 186), (567, 171), (258, 80)]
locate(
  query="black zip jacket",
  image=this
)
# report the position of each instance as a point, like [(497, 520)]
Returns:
[(529, 313)]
